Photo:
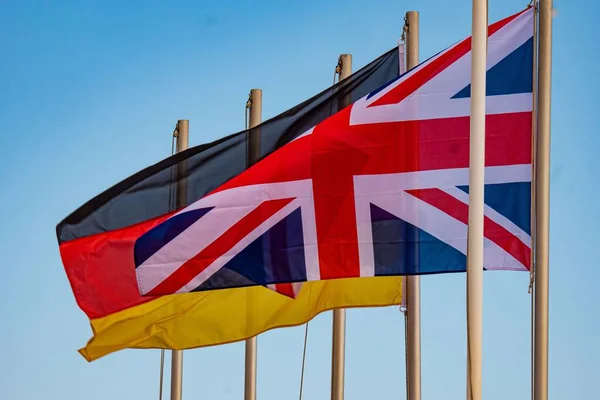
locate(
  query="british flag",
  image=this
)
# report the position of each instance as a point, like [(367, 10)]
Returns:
[(379, 188)]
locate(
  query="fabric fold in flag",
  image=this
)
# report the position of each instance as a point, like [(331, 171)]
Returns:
[(200, 319)]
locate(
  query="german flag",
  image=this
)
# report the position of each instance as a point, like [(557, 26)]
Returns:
[(97, 244)]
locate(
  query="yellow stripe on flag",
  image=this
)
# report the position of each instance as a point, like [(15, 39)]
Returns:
[(192, 320)]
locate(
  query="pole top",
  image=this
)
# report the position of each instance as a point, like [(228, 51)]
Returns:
[(340, 65)]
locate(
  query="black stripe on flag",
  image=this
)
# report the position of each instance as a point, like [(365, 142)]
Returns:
[(148, 194)]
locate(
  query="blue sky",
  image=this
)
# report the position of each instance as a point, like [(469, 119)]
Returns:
[(90, 92)]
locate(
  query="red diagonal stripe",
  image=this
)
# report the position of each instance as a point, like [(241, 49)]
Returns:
[(191, 268), (436, 66), (285, 289), (493, 231)]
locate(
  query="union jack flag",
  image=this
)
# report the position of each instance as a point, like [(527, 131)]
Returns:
[(379, 188)]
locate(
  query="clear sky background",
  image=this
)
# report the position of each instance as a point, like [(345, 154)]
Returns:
[(90, 92)]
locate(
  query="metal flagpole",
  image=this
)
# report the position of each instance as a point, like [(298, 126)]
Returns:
[(177, 355), (162, 371), (531, 289), (254, 120), (413, 283), (339, 315), (476, 189), (542, 199), (255, 105)]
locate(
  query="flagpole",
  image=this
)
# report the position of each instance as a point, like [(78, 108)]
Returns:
[(476, 189), (339, 315), (177, 355), (255, 105), (413, 283), (542, 198)]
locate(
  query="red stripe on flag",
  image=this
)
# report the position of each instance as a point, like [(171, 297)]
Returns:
[(285, 289), (442, 144), (390, 148), (492, 231), (194, 266), (101, 269), (436, 66)]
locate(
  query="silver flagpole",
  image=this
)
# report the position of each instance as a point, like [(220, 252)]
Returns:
[(476, 189)]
